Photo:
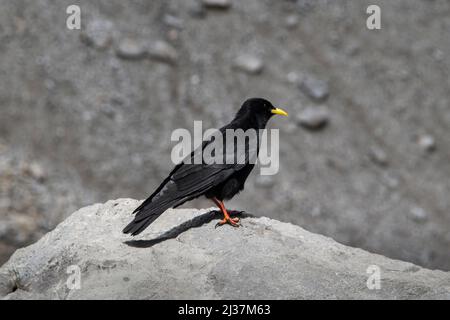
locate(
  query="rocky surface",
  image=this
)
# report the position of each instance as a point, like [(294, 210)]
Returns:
[(99, 124), (32, 200), (182, 256)]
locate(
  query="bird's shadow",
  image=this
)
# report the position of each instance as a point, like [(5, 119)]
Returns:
[(185, 226)]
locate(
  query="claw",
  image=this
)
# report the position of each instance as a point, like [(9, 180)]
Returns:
[(226, 217), (231, 221)]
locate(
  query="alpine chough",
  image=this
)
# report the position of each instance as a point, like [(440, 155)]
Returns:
[(217, 181)]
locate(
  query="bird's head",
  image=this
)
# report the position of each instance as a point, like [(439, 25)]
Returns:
[(260, 110)]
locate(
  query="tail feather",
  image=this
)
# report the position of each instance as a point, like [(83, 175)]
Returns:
[(169, 195), (137, 227), (147, 215)]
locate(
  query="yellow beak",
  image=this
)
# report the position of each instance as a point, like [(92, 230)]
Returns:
[(280, 112)]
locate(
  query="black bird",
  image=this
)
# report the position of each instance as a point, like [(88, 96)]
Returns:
[(217, 182)]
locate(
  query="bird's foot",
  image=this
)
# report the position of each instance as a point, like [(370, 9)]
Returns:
[(227, 220)]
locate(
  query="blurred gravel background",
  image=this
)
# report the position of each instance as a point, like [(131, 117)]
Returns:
[(86, 115)]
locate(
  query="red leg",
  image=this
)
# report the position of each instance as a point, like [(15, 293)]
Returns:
[(226, 217)]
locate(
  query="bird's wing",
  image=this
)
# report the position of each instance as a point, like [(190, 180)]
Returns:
[(194, 178), (189, 179)]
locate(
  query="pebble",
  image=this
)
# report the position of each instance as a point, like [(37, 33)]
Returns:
[(391, 180), (197, 11), (315, 88), (293, 77), (35, 170), (173, 22), (314, 118), (353, 48), (438, 54), (130, 49), (291, 21), (162, 51), (217, 4), (426, 142), (378, 156), (418, 214), (249, 64), (98, 33)]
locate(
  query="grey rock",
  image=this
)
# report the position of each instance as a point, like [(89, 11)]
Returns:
[(418, 214), (173, 21), (264, 259), (293, 77), (162, 51), (131, 49), (313, 118), (315, 88), (353, 48), (98, 33), (35, 170), (197, 10), (426, 142), (291, 21), (304, 6), (378, 156), (249, 63), (391, 180), (217, 4), (438, 54)]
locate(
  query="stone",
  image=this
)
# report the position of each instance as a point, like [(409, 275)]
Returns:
[(390, 180), (291, 21), (438, 54), (173, 21), (418, 214), (98, 33), (197, 10), (426, 142), (131, 49), (162, 51), (249, 64), (35, 170), (378, 156), (315, 88), (314, 118), (182, 256), (293, 77), (217, 4)]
